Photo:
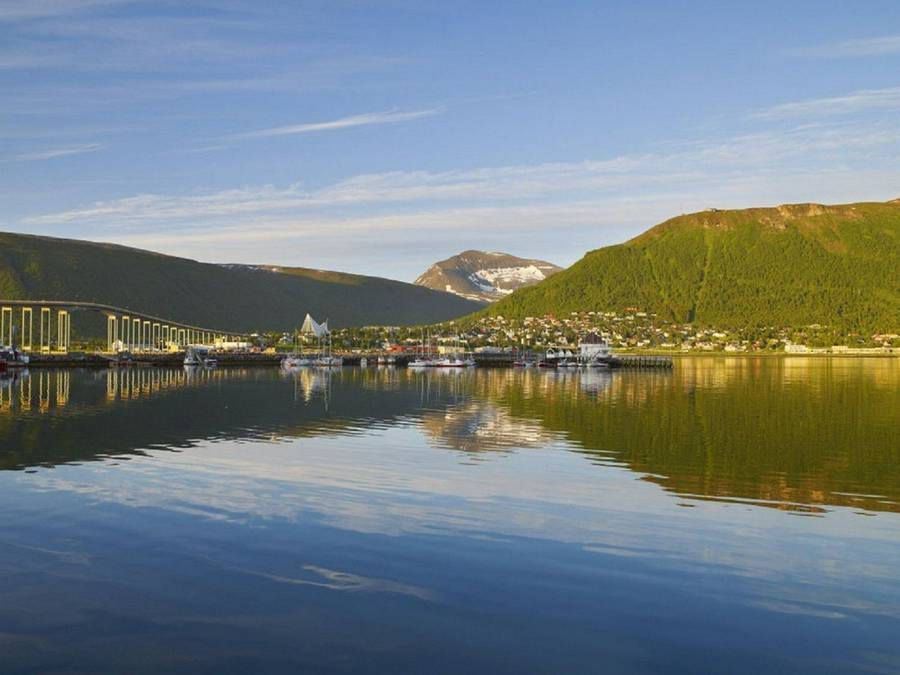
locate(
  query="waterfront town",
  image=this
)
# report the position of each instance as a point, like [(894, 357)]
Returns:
[(635, 330)]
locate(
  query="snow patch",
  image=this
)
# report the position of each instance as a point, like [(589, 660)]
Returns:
[(506, 279)]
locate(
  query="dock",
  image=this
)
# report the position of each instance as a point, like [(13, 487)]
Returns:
[(639, 361)]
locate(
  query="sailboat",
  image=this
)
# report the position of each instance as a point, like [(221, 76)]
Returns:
[(295, 359), (521, 360), (457, 360), (423, 360), (326, 358)]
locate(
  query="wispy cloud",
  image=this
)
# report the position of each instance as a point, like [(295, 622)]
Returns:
[(855, 102), (366, 119), (858, 48), (670, 167), (59, 152), (22, 61), (23, 10)]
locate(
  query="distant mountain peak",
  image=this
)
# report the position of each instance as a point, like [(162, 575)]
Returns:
[(485, 275)]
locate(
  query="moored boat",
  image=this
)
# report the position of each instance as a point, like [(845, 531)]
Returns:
[(295, 361), (454, 361), (329, 361), (11, 358), (195, 357)]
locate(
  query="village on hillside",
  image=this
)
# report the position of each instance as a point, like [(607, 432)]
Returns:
[(634, 330)]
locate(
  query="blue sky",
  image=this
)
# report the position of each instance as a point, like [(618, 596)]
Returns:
[(379, 137)]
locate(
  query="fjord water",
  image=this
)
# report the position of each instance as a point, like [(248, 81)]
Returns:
[(736, 515)]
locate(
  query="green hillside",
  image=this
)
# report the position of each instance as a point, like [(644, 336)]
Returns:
[(237, 298), (789, 266)]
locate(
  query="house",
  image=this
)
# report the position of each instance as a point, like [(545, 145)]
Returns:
[(593, 347)]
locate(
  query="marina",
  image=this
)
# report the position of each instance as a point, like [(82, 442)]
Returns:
[(368, 359)]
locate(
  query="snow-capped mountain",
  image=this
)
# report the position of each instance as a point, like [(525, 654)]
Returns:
[(484, 275)]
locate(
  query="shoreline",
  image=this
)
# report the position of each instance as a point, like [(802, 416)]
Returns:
[(100, 361)]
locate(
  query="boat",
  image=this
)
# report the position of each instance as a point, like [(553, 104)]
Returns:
[(423, 358), (454, 361), (11, 358), (122, 360), (199, 357), (327, 361), (295, 361)]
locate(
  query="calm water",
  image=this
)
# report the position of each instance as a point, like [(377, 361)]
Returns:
[(732, 516)]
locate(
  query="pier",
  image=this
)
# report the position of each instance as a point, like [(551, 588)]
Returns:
[(640, 361)]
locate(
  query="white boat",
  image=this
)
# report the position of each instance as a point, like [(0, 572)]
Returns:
[(199, 357), (325, 359), (11, 358), (424, 359), (455, 361), (329, 361), (295, 361)]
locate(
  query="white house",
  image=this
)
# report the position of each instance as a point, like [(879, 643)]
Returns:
[(593, 348)]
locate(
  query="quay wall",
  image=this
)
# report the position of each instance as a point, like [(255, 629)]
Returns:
[(169, 359)]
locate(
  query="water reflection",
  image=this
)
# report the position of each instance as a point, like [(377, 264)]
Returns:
[(382, 520), (796, 434)]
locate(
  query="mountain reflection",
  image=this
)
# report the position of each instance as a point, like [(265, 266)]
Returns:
[(798, 434)]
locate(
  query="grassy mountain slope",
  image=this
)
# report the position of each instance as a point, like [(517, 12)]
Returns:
[(236, 297), (789, 265)]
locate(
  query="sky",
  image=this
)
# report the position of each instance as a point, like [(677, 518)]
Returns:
[(378, 137)]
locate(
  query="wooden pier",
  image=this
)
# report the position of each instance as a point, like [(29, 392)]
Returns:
[(640, 361)]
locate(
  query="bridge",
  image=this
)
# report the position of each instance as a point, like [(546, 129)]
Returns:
[(126, 330)]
